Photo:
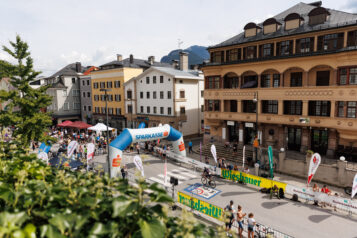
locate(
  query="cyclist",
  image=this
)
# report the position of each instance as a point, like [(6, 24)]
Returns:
[(207, 174)]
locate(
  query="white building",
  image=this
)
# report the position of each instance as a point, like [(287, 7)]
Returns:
[(167, 95)]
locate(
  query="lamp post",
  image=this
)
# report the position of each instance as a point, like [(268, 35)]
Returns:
[(106, 111), (256, 100)]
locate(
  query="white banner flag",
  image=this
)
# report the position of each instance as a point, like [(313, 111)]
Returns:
[(214, 153), (90, 153), (71, 147), (243, 156), (43, 156), (354, 187), (139, 164), (314, 164)]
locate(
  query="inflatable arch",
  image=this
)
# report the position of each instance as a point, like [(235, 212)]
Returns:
[(129, 136)]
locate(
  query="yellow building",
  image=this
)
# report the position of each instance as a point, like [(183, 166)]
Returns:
[(291, 81), (112, 76)]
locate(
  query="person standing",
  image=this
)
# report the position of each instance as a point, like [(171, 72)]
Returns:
[(251, 225), (138, 148), (229, 210), (190, 147), (123, 171), (240, 218), (316, 189)]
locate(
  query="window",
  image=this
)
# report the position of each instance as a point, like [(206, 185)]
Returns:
[(276, 80), (249, 106), (347, 76), (270, 106), (102, 84), (319, 108), (182, 94), (305, 45), (96, 109), (250, 52), (250, 81), (89, 108), (161, 110), (83, 82), (182, 111), (330, 42), (141, 109), (351, 109), (110, 97), (161, 94), (141, 94), (75, 93), (76, 106), (266, 50), (217, 57), (84, 94), (154, 110), (352, 38), (104, 110), (161, 79), (168, 94), (64, 93), (66, 106), (169, 111), (285, 47), (96, 97), (95, 85), (117, 111), (154, 95), (102, 97), (202, 108), (233, 55), (322, 78), (154, 79), (129, 94), (292, 107), (88, 94), (109, 84), (73, 80), (116, 84), (341, 109), (296, 79), (212, 105), (110, 111), (213, 82), (353, 76), (130, 109), (265, 80), (117, 97), (148, 95), (343, 76), (202, 93), (147, 80), (88, 83), (148, 109)]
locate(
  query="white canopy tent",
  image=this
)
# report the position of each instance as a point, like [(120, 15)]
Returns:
[(101, 127)]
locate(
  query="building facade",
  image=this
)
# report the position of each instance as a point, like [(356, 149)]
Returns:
[(85, 87), (166, 95), (293, 78), (64, 88), (112, 76)]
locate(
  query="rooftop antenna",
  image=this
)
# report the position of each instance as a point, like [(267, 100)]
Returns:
[(179, 43)]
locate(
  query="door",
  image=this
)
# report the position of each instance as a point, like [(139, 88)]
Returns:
[(233, 132), (249, 134), (294, 138), (319, 141)]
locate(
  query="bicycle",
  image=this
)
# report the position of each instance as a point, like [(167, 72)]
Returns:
[(208, 181)]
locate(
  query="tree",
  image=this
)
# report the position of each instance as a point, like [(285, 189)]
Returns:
[(25, 103)]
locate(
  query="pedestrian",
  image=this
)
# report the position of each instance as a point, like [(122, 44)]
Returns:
[(190, 147), (251, 225), (240, 219), (324, 189), (138, 148), (123, 171), (316, 189), (229, 210), (164, 152)]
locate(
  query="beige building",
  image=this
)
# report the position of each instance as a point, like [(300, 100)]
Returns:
[(291, 80)]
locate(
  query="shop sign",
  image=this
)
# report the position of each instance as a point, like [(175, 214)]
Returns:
[(230, 123), (249, 124)]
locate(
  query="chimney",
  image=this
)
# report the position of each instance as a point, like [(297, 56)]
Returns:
[(183, 61), (78, 67), (119, 57), (131, 59), (151, 60), (196, 67), (175, 64)]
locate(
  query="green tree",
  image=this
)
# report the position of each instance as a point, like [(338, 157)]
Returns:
[(24, 103)]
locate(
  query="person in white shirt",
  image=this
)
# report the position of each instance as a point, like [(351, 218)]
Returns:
[(251, 225)]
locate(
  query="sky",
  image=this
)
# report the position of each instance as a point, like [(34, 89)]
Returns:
[(92, 32)]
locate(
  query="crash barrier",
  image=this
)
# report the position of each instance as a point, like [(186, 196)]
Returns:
[(129, 136), (218, 213)]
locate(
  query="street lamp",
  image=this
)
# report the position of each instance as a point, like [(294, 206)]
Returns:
[(256, 100), (106, 111)]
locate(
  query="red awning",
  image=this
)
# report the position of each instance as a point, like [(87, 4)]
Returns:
[(79, 125), (65, 123)]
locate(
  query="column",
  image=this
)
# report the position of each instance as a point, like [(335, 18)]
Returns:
[(280, 107), (305, 108), (259, 78), (315, 43), (305, 80), (294, 46), (257, 53), (334, 77), (275, 48), (282, 80), (305, 134), (332, 143), (333, 108), (239, 106), (281, 136), (345, 39), (222, 106)]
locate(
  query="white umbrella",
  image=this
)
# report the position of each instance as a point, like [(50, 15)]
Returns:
[(100, 127)]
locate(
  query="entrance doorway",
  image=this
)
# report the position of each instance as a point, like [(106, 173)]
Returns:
[(249, 134), (294, 138), (319, 141), (233, 132)]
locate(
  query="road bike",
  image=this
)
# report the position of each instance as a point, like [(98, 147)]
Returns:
[(208, 181)]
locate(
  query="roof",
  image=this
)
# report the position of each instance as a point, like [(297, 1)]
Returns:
[(137, 63), (336, 19), (58, 84), (68, 70)]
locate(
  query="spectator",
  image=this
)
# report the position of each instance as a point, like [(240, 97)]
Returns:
[(235, 148), (230, 167), (324, 189), (251, 225), (123, 171), (235, 168), (240, 217), (246, 169), (229, 210), (190, 147), (220, 163), (164, 152), (138, 148), (206, 160), (315, 189)]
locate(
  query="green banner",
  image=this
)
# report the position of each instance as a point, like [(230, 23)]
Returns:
[(270, 154)]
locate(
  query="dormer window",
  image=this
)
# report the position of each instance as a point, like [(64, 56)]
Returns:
[(251, 29), (271, 25), (292, 21), (318, 16)]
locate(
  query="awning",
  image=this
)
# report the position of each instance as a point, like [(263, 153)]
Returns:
[(79, 125), (65, 124), (100, 127)]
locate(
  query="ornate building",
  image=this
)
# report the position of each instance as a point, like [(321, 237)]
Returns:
[(292, 80)]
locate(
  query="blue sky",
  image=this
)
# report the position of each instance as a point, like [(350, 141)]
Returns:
[(93, 32)]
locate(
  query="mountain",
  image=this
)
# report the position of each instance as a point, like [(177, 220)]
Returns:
[(196, 55)]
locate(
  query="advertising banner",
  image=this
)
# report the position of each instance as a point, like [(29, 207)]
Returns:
[(270, 155), (251, 179), (354, 187), (314, 164), (214, 152), (71, 147), (139, 164), (90, 153), (243, 156), (44, 148)]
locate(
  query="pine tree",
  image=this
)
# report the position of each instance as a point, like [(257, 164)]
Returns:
[(24, 103)]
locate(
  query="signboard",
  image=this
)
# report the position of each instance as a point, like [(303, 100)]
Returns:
[(314, 164), (202, 191), (270, 154), (249, 124), (230, 123)]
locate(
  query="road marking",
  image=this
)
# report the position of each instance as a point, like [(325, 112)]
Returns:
[(168, 177), (159, 181), (191, 175)]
